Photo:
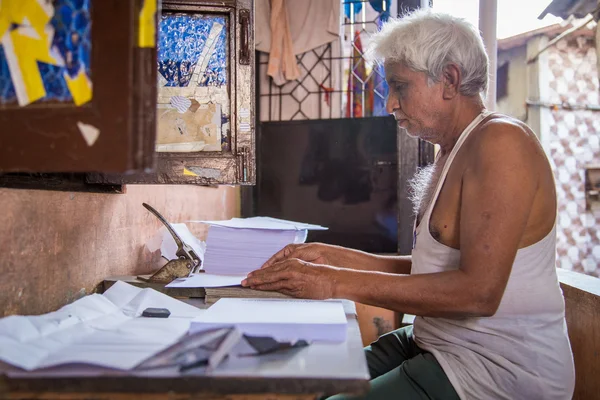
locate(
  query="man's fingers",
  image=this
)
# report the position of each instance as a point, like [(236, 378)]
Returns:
[(283, 286), (276, 267), (274, 259), (268, 275), (279, 256)]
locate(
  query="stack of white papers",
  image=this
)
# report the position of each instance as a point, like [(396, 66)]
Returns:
[(104, 330), (239, 246), (232, 251), (264, 223), (283, 320)]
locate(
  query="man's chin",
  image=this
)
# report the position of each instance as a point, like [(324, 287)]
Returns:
[(411, 134), (419, 135)]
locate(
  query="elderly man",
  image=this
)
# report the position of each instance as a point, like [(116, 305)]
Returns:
[(481, 277)]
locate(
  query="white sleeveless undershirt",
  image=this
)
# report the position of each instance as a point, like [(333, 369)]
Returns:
[(522, 351)]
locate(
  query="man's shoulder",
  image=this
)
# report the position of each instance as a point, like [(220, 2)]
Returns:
[(505, 124), (500, 131), (502, 138)]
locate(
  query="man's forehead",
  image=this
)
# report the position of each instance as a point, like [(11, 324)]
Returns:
[(395, 70)]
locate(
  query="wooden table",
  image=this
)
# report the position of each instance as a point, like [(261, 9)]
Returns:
[(305, 373)]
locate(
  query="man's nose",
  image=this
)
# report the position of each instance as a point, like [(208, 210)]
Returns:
[(391, 104)]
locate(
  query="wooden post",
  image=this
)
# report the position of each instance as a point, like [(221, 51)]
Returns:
[(408, 154), (598, 48)]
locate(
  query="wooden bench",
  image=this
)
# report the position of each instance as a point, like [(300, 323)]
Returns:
[(582, 302)]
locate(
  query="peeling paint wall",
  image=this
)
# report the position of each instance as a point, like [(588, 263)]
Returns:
[(56, 247)]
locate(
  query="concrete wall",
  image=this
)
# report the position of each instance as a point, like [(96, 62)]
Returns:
[(58, 246), (514, 103)]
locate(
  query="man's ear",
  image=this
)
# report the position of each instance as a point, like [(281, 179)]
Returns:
[(451, 79)]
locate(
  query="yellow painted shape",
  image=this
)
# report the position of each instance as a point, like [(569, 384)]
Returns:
[(80, 87), (188, 172), (29, 43), (18, 12), (147, 24), (28, 51), (5, 20)]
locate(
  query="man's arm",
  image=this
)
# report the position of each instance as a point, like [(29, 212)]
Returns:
[(498, 191), (342, 257), (359, 260)]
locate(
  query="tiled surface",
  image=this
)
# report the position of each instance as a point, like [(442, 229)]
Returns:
[(193, 45), (574, 142), (71, 41)]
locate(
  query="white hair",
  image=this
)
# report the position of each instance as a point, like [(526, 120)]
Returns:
[(427, 41)]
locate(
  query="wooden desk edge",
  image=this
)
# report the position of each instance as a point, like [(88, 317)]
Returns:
[(197, 386)]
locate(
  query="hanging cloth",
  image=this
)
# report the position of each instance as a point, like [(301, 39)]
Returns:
[(359, 100), (380, 86), (282, 62), (286, 28), (381, 6)]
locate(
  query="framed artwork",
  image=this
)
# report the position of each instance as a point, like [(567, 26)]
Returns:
[(77, 91)]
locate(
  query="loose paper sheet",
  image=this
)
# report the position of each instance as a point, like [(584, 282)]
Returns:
[(103, 330), (204, 280)]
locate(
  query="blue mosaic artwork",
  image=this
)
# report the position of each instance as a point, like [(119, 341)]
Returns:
[(71, 45), (182, 41), (7, 89)]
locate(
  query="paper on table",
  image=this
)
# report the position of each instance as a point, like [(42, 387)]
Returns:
[(264, 223), (97, 329), (164, 241), (139, 299), (205, 280), (283, 320)]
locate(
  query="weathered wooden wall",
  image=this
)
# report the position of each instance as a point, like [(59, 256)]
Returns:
[(55, 247)]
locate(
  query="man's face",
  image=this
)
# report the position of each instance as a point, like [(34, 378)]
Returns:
[(417, 106)]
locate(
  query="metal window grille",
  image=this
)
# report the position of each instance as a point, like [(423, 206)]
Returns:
[(336, 79)]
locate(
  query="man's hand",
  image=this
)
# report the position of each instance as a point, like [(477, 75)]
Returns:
[(315, 253), (341, 257), (296, 278)]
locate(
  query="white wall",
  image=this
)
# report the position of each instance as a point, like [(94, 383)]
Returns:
[(514, 103)]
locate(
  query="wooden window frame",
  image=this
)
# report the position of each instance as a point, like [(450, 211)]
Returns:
[(236, 165)]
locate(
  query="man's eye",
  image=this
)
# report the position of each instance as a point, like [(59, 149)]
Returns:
[(400, 88)]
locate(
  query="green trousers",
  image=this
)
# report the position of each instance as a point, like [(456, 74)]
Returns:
[(401, 370)]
